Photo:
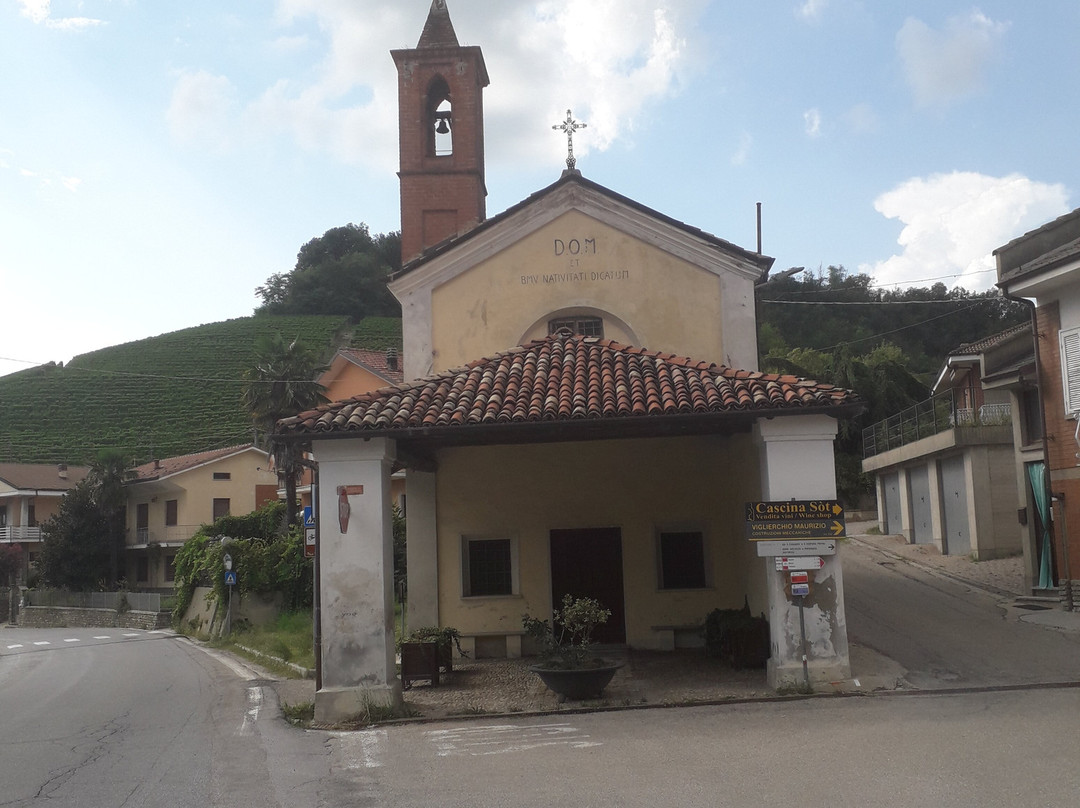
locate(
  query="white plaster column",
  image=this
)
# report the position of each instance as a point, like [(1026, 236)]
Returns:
[(422, 548), (796, 461), (903, 485), (937, 507), (356, 562)]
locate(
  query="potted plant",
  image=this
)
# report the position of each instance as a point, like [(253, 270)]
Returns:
[(426, 651), (567, 664)]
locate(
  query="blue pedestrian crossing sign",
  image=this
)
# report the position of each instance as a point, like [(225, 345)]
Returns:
[(309, 516), (230, 578)]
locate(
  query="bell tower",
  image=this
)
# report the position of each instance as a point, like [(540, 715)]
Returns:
[(440, 135)]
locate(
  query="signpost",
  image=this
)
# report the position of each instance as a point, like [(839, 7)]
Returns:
[(817, 547), (811, 563), (230, 581), (797, 519), (309, 532)]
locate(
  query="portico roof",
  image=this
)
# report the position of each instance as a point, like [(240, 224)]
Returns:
[(567, 387)]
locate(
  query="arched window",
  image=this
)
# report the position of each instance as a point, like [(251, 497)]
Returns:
[(584, 326), (440, 119)]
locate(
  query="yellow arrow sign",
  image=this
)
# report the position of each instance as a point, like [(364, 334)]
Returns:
[(837, 528)]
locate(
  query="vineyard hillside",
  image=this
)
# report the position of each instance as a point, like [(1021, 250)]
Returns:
[(159, 397)]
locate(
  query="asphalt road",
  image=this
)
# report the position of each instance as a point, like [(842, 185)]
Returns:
[(945, 633), (106, 718), (92, 717)]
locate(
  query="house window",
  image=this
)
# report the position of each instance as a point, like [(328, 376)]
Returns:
[(222, 475), (3, 515), (170, 567), (142, 522), (1031, 415), (142, 569), (682, 560), (489, 567), (221, 507), (31, 514), (583, 326), (1069, 343), (170, 513)]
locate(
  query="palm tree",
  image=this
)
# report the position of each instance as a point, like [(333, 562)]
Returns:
[(281, 384)]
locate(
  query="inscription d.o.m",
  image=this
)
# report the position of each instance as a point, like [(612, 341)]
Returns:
[(575, 246)]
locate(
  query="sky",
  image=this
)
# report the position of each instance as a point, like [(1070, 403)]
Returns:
[(160, 159)]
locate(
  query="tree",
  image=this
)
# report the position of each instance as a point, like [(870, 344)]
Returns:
[(11, 561), (107, 475), (76, 544), (281, 384), (344, 271)]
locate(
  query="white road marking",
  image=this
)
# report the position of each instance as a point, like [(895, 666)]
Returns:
[(499, 739), (255, 700), (362, 750), (73, 639), (12, 647), (43, 642), (103, 637), (130, 635)]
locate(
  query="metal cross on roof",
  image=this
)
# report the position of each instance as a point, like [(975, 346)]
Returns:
[(570, 126)]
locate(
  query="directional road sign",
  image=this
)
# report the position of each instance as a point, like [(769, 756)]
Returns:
[(797, 519), (811, 547), (800, 563)]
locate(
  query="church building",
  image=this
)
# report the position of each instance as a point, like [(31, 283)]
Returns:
[(580, 414)]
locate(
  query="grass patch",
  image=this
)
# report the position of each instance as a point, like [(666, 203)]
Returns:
[(299, 713), (290, 638)]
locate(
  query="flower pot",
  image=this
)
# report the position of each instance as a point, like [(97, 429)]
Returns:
[(577, 683)]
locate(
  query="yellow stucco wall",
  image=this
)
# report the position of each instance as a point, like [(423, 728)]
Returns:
[(523, 492), (574, 265), (194, 491), (352, 380)]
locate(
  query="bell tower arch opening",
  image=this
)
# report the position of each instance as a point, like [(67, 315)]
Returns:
[(440, 119)]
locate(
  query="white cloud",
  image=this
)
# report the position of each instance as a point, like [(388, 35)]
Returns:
[(954, 222), (742, 154), (942, 66), (811, 10), (201, 109), (812, 122), (40, 12), (605, 59)]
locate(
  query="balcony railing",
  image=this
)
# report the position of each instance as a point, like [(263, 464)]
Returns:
[(16, 533), (172, 534), (936, 414)]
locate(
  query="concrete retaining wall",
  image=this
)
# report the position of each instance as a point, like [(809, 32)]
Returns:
[(67, 617)]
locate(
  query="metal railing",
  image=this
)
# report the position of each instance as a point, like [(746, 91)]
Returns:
[(13, 533), (137, 601), (937, 414)]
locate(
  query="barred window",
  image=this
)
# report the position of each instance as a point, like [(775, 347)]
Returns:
[(488, 567), (584, 326)]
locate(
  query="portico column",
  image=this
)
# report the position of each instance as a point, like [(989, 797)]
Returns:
[(357, 575), (796, 460), (422, 550)]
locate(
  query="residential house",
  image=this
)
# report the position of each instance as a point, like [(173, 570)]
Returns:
[(30, 494), (575, 462), (168, 500), (945, 469), (1043, 267)]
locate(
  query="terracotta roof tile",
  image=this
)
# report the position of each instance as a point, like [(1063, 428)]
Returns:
[(986, 343), (568, 378), (376, 361), (156, 469), (42, 476)]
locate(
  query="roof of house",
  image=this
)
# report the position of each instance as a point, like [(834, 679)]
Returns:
[(585, 383), (986, 343), (376, 362), (42, 476), (1055, 242), (157, 469), (763, 262)]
